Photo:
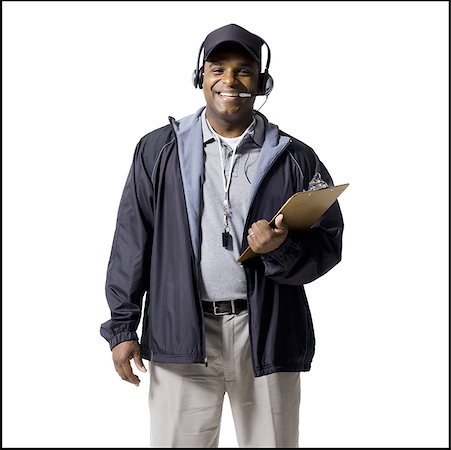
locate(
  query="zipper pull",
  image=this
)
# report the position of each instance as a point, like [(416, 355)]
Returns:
[(206, 362)]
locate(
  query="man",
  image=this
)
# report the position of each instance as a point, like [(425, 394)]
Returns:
[(200, 190)]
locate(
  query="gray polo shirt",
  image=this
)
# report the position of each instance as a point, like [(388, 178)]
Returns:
[(222, 278)]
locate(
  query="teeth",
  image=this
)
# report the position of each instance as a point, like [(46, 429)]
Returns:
[(226, 94)]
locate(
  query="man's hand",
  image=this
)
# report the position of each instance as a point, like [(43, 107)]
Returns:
[(264, 239), (122, 354)]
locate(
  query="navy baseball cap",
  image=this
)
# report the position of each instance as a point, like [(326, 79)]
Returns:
[(234, 33)]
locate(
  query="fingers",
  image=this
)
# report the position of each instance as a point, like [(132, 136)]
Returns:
[(139, 362), (125, 372), (264, 238), (258, 234), (258, 228), (281, 226), (122, 354), (261, 228)]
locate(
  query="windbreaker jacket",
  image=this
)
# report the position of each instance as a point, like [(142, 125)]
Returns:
[(156, 246)]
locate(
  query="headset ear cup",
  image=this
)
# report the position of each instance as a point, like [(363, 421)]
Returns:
[(198, 78), (269, 84), (194, 78), (265, 83)]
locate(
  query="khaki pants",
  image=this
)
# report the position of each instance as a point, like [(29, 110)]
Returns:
[(185, 400)]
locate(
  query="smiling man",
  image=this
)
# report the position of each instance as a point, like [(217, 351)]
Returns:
[(199, 191)]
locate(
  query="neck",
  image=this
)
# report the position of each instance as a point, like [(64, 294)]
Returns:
[(229, 129)]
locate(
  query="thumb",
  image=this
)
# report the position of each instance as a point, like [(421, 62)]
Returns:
[(281, 226), (139, 362)]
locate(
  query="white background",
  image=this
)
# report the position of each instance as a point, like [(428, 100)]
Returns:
[(364, 83)]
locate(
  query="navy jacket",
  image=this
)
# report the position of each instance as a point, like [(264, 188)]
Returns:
[(156, 245)]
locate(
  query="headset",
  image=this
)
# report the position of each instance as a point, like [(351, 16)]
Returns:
[(265, 80)]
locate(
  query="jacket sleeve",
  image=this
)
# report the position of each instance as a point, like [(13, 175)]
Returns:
[(128, 266), (304, 257)]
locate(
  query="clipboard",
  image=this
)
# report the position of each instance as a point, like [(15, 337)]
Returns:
[(302, 210)]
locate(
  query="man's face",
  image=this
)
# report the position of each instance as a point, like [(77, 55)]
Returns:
[(227, 72)]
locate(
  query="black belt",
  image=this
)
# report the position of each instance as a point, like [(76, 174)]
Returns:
[(223, 308)]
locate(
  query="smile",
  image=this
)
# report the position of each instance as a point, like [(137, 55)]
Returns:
[(234, 94)]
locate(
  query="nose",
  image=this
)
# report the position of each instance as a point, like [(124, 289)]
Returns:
[(229, 77)]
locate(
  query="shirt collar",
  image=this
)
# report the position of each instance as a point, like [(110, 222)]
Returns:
[(257, 132)]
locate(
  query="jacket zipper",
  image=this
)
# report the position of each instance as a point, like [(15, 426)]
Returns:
[(204, 337), (249, 315), (204, 344)]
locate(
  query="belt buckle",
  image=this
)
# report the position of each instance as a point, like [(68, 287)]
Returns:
[(224, 313)]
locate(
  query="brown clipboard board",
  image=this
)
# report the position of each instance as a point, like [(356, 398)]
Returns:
[(302, 210)]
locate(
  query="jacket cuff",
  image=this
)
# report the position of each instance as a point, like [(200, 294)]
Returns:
[(122, 337), (277, 260), (280, 253)]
